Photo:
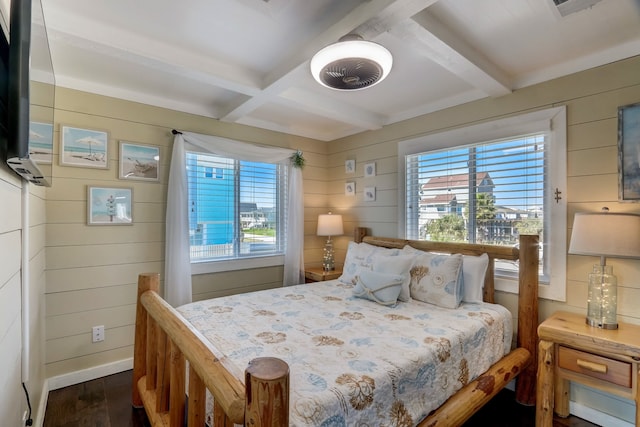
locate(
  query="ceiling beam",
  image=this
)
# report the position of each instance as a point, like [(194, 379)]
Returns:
[(430, 38), (369, 19)]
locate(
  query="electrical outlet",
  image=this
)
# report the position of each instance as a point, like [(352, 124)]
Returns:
[(98, 333)]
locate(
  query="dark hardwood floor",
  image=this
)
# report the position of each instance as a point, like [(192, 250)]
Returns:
[(106, 402)]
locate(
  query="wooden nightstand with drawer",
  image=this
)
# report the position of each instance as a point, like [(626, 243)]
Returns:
[(571, 350)]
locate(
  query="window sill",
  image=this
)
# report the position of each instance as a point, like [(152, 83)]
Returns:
[(206, 267)]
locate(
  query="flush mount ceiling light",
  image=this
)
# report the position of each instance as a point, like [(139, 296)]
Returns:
[(350, 64)]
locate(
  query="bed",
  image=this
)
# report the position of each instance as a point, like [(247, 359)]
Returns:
[(348, 356)]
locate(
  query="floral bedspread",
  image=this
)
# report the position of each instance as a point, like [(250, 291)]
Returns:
[(353, 361)]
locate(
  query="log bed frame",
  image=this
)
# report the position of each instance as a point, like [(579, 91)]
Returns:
[(164, 341)]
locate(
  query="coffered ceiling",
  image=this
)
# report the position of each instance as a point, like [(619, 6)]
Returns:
[(247, 61)]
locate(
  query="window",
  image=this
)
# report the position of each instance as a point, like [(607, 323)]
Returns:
[(487, 184), (236, 208)]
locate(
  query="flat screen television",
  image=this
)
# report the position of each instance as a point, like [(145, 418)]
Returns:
[(15, 93)]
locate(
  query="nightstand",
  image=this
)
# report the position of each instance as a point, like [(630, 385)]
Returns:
[(571, 350), (317, 274)]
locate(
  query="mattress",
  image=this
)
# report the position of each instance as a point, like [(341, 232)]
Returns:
[(353, 361)]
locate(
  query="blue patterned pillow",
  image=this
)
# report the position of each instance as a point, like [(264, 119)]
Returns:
[(379, 287), (437, 279)]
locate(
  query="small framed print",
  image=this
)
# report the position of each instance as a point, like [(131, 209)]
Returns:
[(370, 194), (350, 166), (84, 147), (369, 170), (628, 153), (350, 189), (109, 206), (139, 162)]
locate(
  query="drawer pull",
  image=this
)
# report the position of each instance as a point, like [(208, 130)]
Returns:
[(594, 367)]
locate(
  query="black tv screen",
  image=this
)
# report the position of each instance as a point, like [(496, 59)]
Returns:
[(4, 93)]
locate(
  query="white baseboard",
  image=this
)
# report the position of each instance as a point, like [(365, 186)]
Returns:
[(596, 417), (89, 374), (42, 405)]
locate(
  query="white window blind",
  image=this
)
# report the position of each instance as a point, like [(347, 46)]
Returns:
[(236, 208), (487, 193)]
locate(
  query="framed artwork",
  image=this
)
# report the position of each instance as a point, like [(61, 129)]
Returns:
[(369, 170), (84, 147), (41, 142), (370, 194), (350, 166), (139, 162), (109, 206), (350, 189), (629, 152)]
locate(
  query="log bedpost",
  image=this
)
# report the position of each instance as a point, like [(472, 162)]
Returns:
[(528, 317), (359, 233), (267, 392), (544, 408), (146, 282)]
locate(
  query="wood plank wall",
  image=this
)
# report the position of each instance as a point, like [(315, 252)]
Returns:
[(92, 270), (12, 400)]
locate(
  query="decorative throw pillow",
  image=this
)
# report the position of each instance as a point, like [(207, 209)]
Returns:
[(399, 265), (359, 257), (474, 268), (437, 279), (381, 288)]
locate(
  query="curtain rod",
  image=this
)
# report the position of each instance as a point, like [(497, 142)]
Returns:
[(176, 132)]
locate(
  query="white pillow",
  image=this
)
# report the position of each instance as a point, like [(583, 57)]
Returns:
[(474, 268), (437, 279), (359, 257), (398, 265), (381, 288)]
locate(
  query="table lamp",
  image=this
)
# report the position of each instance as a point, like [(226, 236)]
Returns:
[(604, 234), (329, 225)]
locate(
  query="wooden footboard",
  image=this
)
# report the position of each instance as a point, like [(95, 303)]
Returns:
[(164, 342)]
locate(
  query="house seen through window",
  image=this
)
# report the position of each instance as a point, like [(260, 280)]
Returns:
[(236, 208)]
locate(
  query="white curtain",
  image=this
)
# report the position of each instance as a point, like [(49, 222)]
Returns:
[(177, 280)]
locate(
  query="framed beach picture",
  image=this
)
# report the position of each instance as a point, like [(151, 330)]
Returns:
[(629, 152), (41, 142), (140, 162), (84, 147), (109, 206)]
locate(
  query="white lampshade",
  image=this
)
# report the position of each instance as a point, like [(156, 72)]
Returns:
[(329, 225), (606, 234), (351, 64)]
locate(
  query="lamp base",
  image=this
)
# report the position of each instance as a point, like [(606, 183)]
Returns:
[(328, 263), (602, 298), (596, 324)]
